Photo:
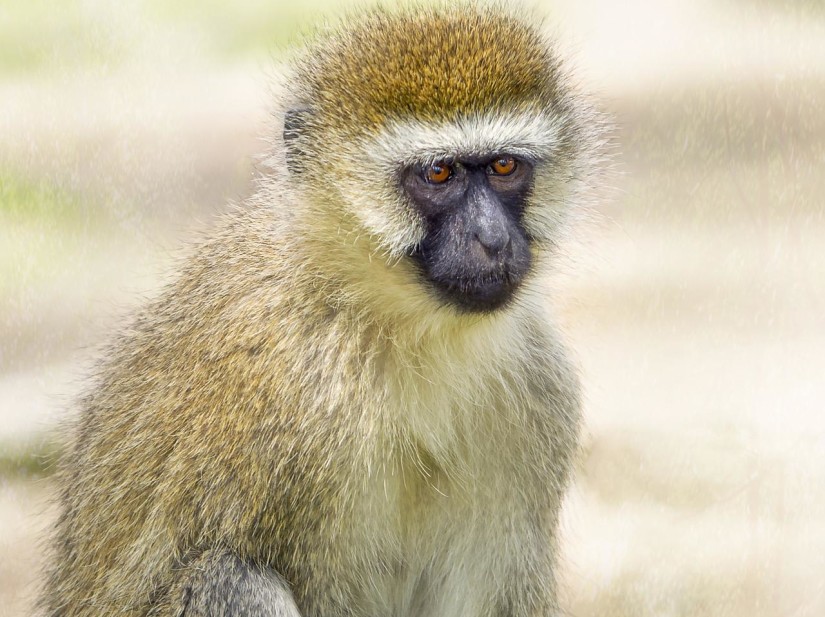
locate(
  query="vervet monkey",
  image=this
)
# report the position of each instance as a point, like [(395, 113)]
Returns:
[(352, 402)]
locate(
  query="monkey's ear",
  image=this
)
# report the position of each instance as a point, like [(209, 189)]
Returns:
[(295, 121)]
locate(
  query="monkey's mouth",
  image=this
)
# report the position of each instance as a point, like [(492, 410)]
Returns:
[(480, 292), (470, 279), (483, 293)]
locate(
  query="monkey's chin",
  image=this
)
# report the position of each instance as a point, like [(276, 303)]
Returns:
[(478, 295)]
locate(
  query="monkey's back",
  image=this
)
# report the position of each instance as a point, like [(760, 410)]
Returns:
[(203, 422)]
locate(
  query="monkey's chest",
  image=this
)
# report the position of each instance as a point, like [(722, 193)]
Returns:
[(433, 543)]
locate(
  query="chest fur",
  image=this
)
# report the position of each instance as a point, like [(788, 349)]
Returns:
[(442, 513), (446, 509), (437, 541)]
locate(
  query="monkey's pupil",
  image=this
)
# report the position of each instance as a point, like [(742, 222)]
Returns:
[(438, 173), (504, 167)]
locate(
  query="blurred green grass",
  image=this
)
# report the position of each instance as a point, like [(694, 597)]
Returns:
[(31, 31), (244, 28), (799, 7), (41, 223), (25, 201), (42, 36), (33, 458)]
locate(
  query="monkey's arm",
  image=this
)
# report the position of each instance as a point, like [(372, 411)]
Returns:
[(220, 584)]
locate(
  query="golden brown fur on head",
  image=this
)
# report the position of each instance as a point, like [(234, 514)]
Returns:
[(435, 64)]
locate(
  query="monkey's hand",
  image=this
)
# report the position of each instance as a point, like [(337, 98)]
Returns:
[(220, 584)]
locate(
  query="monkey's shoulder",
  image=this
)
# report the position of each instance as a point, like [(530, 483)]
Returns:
[(230, 347)]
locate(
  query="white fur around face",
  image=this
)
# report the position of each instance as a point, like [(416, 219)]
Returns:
[(532, 135)]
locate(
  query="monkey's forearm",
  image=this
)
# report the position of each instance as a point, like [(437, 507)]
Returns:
[(220, 584)]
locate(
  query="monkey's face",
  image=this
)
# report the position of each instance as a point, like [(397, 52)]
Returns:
[(459, 168), (475, 251)]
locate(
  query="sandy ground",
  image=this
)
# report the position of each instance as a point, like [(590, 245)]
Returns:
[(694, 300)]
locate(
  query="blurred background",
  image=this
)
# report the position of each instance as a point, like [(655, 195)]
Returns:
[(695, 300)]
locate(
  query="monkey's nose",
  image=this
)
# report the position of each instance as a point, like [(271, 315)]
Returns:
[(495, 241)]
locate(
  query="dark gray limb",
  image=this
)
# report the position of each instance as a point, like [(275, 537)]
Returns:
[(220, 584)]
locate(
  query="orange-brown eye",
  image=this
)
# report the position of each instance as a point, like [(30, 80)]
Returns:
[(438, 173), (503, 166)]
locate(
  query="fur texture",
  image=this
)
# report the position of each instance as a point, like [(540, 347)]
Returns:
[(299, 399)]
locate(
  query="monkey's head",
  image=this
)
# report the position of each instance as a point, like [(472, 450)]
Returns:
[(447, 136)]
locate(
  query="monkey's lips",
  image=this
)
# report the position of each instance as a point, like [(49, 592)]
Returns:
[(472, 283), (483, 293)]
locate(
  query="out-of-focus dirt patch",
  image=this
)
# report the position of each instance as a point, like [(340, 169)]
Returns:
[(25, 514), (696, 310)]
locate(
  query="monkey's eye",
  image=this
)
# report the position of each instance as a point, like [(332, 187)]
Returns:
[(438, 173), (503, 166)]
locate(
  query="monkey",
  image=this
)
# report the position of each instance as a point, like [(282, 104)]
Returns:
[(352, 400)]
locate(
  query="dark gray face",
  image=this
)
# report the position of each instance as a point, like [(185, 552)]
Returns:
[(476, 251)]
